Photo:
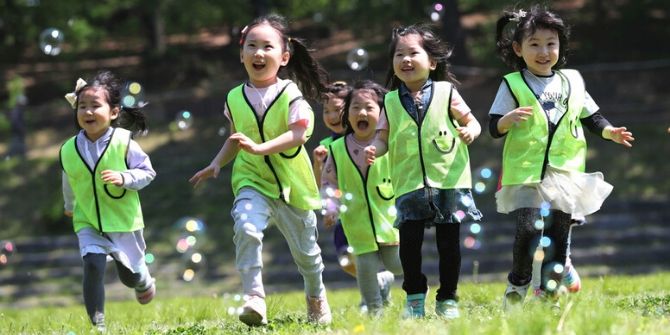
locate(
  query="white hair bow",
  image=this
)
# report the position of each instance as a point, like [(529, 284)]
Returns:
[(72, 96), (518, 15)]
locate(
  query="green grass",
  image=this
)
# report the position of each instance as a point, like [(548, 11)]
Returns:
[(606, 305)]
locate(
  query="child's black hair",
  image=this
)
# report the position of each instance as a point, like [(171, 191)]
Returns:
[(435, 48), (302, 68), (338, 89), (524, 24), (365, 84), (131, 118)]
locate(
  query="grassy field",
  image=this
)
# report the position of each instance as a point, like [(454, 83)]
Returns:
[(606, 305)]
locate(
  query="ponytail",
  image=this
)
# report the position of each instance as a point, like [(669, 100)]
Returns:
[(132, 118), (305, 71)]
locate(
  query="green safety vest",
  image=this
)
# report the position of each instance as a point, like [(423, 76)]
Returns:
[(429, 153), (287, 175), (529, 147), (101, 206), (371, 195)]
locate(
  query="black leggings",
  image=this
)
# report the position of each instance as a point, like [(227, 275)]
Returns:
[(94, 282), (556, 228), (448, 248)]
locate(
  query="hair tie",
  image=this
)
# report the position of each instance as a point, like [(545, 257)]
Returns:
[(243, 33), (516, 16), (72, 96)]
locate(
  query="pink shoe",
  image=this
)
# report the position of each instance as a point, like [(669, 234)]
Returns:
[(318, 310), (571, 279), (145, 297)]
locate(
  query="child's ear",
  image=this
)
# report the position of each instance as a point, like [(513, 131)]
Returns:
[(285, 56), (517, 48), (114, 113), (433, 64)]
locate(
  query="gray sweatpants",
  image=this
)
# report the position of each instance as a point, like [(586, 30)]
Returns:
[(253, 213)]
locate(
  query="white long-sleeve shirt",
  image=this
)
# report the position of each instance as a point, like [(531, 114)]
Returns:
[(139, 174)]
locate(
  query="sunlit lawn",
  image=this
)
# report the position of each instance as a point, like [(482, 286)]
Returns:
[(607, 305)]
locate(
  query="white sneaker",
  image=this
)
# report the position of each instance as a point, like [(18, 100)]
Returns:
[(318, 310), (514, 295), (254, 312), (385, 280)]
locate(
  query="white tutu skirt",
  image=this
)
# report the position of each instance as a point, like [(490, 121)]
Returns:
[(571, 192)]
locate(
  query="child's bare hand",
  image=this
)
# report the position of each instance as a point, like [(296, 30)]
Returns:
[(245, 143), (515, 117), (466, 134), (67, 213), (320, 153), (622, 136), (329, 220), (211, 171), (112, 177), (370, 154)]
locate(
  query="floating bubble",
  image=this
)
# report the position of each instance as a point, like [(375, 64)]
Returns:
[(51, 40), (3, 259), (8, 247), (330, 192), (191, 240), (343, 208), (538, 255), (196, 258), (134, 88), (190, 224), (343, 260), (348, 196), (551, 285), (475, 228), (350, 249), (557, 268), (358, 59), (188, 275), (392, 211), (545, 208), (539, 224), (435, 16), (466, 201), (324, 212), (438, 7), (222, 131), (248, 206), (469, 242), (460, 215), (184, 120), (480, 187), (237, 297), (182, 246), (486, 173), (545, 241), (132, 95), (317, 17), (149, 258), (338, 193), (231, 310)]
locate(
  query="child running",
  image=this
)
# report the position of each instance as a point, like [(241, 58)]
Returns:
[(272, 177), (333, 103), (426, 127), (541, 110), (365, 204), (103, 170)]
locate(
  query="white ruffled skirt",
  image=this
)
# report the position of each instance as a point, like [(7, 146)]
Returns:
[(571, 192)]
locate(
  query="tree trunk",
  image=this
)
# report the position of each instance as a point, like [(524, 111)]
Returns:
[(453, 33)]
